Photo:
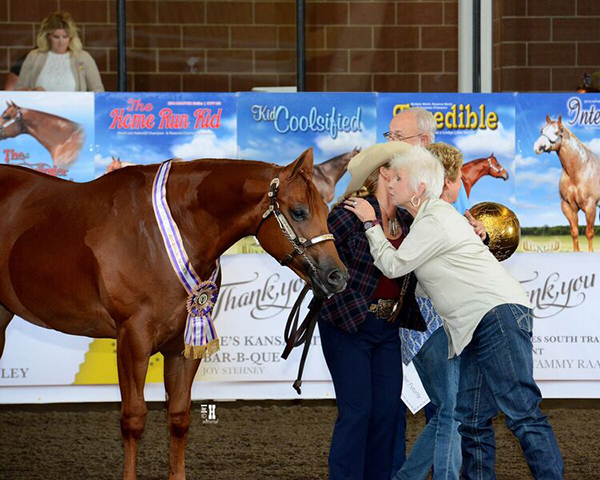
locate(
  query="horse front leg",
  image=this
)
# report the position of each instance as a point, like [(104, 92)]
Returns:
[(5, 317), (590, 214), (571, 213), (133, 355), (179, 376)]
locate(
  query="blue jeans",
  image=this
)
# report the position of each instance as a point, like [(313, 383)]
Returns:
[(438, 445), (496, 372), (366, 370)]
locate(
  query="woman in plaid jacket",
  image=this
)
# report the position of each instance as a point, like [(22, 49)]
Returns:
[(359, 334)]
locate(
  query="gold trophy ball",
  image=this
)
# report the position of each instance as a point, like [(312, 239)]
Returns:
[(502, 225)]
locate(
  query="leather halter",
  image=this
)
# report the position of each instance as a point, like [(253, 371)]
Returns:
[(492, 166), (559, 136), (300, 244), (18, 119)]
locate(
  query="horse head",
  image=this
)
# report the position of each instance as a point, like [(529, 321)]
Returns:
[(551, 136), (327, 174), (116, 164), (298, 236), (496, 170), (11, 121)]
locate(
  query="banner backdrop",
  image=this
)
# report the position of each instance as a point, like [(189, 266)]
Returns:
[(112, 130), (50, 133), (144, 128), (277, 128), (565, 296), (481, 126), (557, 157)]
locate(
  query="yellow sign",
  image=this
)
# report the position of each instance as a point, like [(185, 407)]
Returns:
[(460, 116), (99, 366)]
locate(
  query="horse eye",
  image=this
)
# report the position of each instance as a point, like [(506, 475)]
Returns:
[(299, 214)]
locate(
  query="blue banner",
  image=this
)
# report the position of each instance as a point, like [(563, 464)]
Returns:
[(49, 132), (144, 128), (481, 126), (277, 128)]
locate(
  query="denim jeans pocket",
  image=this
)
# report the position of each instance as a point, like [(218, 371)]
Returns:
[(522, 316)]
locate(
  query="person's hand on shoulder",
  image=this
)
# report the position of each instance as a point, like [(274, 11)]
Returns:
[(363, 209)]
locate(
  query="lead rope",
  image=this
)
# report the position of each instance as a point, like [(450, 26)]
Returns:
[(295, 336)]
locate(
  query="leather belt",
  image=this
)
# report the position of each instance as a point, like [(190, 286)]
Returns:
[(383, 308)]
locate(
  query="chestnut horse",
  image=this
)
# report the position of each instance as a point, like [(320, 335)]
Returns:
[(579, 185), (61, 137), (88, 259), (116, 164), (329, 172), (472, 171)]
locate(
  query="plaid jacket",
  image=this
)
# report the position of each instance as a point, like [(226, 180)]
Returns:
[(348, 309)]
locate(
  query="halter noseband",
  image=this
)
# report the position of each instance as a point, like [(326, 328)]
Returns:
[(558, 136), (300, 244), (492, 166), (18, 118)]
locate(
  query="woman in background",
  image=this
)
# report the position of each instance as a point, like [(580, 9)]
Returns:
[(59, 64)]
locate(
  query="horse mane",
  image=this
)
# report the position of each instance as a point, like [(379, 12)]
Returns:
[(575, 137), (48, 114), (224, 161)]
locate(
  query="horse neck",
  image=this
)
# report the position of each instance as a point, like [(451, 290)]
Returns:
[(215, 204), (572, 153), (336, 166), (475, 170), (46, 128)]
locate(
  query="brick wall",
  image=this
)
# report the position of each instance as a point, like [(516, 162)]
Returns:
[(194, 45), (545, 45)]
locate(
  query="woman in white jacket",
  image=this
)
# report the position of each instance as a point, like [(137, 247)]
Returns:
[(59, 64), (485, 312)]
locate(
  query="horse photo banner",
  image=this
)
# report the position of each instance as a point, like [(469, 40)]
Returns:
[(482, 126), (50, 133), (276, 128), (139, 129), (557, 161), (497, 133)]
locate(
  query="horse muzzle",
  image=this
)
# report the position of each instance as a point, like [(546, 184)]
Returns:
[(328, 281)]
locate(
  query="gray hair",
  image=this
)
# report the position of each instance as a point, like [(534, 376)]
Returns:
[(422, 167), (425, 121)]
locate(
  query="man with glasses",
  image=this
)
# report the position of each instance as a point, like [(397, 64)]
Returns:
[(417, 126)]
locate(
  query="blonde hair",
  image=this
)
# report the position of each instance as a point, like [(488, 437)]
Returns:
[(58, 21), (368, 188), (450, 156), (422, 168)]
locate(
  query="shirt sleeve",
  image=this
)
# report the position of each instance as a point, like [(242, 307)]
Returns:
[(26, 72), (420, 291), (426, 240), (92, 75)]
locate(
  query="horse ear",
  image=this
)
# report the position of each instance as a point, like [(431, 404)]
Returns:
[(560, 120), (548, 119), (304, 162)]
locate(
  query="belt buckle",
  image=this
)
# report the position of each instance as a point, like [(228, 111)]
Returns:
[(384, 308)]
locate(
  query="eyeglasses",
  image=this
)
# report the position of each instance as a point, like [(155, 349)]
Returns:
[(397, 138)]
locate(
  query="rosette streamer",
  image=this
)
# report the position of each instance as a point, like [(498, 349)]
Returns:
[(200, 336)]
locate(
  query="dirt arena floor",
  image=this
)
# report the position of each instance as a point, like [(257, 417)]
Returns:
[(250, 440)]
